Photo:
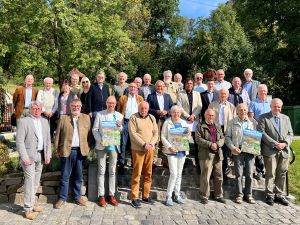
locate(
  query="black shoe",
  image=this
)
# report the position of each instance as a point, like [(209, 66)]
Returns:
[(148, 200), (258, 176), (136, 203), (204, 201), (282, 201), (270, 200), (221, 200)]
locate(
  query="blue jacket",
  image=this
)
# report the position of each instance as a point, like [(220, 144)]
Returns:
[(97, 98), (154, 106)]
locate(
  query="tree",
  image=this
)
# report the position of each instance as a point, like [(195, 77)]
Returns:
[(274, 29)]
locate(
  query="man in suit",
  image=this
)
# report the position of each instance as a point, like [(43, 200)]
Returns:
[(23, 96), (71, 144), (251, 86), (190, 101), (127, 106), (147, 87), (275, 148), (34, 146), (160, 104), (208, 96)]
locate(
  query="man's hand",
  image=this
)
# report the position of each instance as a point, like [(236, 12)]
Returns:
[(280, 146), (119, 123), (172, 149), (214, 147), (26, 162), (237, 151), (148, 147), (191, 118), (47, 160), (91, 115), (58, 154)]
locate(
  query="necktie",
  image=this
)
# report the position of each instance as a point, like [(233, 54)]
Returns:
[(276, 118)]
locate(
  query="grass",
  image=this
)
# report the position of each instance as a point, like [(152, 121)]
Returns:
[(294, 172)]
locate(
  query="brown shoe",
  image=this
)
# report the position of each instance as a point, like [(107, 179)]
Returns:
[(113, 201), (59, 203), (81, 202), (37, 209), (29, 215), (102, 201)]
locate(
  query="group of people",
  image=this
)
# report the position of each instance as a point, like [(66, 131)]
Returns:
[(147, 116)]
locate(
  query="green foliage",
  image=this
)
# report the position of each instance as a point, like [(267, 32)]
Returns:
[(273, 28), (7, 163), (294, 172)]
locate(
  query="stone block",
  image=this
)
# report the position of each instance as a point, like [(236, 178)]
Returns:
[(13, 188), (47, 198), (16, 198), (51, 176), (92, 182), (3, 199), (13, 180), (51, 183), (46, 190), (2, 188), (20, 189)]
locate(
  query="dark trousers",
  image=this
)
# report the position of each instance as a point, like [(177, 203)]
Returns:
[(125, 143), (195, 150), (259, 164), (226, 154), (71, 165)]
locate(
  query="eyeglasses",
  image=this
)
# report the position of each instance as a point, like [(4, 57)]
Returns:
[(199, 78), (75, 106), (84, 82)]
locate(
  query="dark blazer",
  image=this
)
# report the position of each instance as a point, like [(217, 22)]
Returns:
[(97, 98), (271, 135), (205, 101), (154, 106)]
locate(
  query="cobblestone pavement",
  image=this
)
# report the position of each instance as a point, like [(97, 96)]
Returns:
[(192, 212)]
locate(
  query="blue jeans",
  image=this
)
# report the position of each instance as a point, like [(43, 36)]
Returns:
[(71, 165), (125, 141)]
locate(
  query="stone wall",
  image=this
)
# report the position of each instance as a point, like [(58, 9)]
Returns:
[(12, 188)]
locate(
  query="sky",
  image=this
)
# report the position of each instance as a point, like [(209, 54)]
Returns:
[(197, 8)]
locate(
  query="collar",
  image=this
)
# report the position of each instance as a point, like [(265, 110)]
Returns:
[(159, 94), (144, 117), (245, 120)]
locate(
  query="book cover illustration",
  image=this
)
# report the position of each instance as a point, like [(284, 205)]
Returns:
[(111, 134), (251, 141), (179, 138)]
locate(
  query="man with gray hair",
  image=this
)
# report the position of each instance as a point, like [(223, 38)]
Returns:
[(49, 98), (22, 97), (257, 107), (147, 88), (220, 82), (251, 86), (34, 146), (171, 87), (275, 148)]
